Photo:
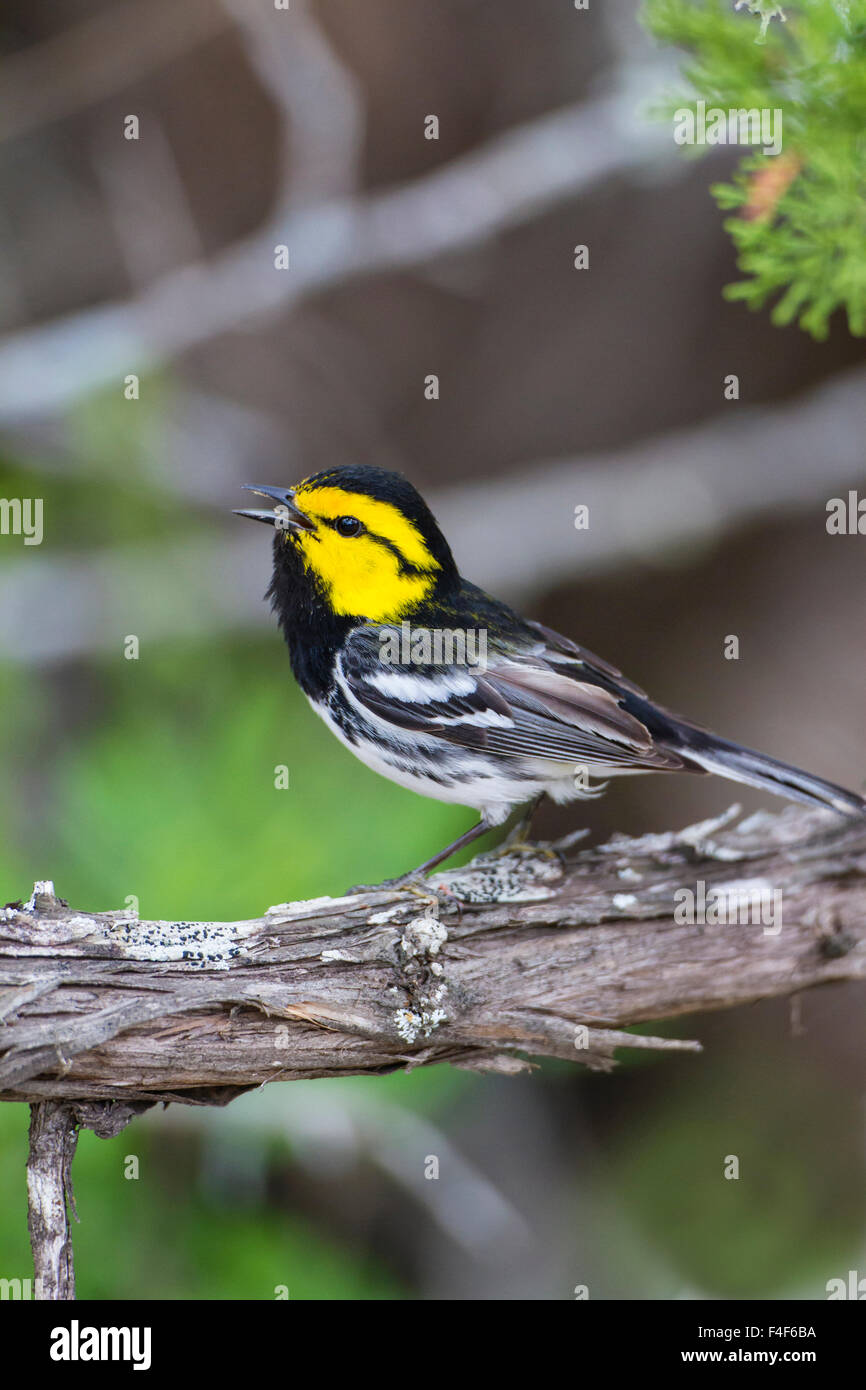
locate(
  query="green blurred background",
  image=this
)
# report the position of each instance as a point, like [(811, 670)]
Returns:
[(155, 777)]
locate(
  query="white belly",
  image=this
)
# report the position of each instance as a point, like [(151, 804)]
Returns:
[(482, 783), (489, 793)]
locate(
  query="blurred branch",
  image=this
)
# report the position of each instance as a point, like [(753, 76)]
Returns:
[(677, 493), (317, 96), (333, 1127), (99, 57), (509, 179), (523, 956), (146, 201), (685, 489)]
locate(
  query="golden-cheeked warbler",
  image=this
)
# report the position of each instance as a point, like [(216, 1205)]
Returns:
[(448, 691)]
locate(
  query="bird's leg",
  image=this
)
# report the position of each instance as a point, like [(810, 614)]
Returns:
[(517, 841), (415, 878), (473, 833), (518, 835)]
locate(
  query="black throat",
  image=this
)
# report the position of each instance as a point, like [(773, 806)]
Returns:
[(313, 632)]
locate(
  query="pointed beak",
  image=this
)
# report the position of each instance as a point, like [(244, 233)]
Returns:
[(285, 515)]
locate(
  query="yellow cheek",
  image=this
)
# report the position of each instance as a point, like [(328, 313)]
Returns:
[(361, 579), (380, 517)]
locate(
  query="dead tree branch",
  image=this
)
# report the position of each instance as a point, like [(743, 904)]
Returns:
[(53, 1141), (525, 957)]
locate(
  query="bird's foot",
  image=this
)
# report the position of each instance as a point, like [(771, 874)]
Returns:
[(413, 882), (517, 845), (519, 832), (381, 887), (521, 847)]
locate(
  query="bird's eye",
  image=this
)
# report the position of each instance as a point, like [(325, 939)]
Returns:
[(348, 525)]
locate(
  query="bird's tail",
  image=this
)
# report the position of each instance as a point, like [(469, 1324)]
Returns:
[(757, 770)]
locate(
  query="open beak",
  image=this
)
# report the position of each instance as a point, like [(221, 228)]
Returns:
[(285, 515)]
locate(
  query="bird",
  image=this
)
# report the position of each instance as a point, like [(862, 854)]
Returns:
[(448, 691)]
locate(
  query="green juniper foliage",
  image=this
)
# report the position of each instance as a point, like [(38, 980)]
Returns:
[(800, 216)]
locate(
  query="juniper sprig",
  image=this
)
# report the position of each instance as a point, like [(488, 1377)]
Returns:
[(799, 223)]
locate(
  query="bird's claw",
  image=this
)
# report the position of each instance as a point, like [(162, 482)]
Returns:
[(414, 883), (524, 849)]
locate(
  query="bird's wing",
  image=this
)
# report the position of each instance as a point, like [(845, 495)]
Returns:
[(564, 654), (528, 701)]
